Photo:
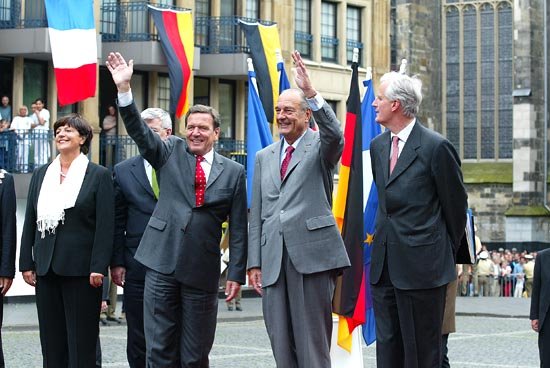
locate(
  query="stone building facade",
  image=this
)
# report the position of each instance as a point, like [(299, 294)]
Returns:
[(484, 68)]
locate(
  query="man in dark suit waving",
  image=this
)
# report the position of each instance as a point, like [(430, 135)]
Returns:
[(420, 222), (540, 305), (136, 194), (199, 190)]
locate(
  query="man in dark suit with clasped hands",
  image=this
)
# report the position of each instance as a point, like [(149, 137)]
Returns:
[(295, 248), (421, 217), (199, 190)]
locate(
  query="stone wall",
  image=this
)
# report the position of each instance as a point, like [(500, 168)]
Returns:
[(489, 202)]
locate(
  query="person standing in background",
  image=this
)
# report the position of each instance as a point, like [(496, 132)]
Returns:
[(109, 131), (529, 270), (5, 109), (22, 125), (41, 134)]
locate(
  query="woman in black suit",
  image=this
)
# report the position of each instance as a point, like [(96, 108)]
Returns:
[(67, 244), (8, 240)]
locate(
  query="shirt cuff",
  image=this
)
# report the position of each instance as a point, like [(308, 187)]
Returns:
[(316, 103), (125, 98)]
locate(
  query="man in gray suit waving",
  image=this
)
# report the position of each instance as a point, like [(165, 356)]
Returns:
[(199, 189), (420, 221), (295, 248)]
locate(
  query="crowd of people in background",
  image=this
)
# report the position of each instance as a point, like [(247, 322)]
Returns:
[(502, 272), (24, 138)]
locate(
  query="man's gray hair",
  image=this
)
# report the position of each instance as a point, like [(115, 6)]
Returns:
[(405, 89), (156, 113), (303, 102)]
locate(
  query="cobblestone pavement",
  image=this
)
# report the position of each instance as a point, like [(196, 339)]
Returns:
[(481, 342)]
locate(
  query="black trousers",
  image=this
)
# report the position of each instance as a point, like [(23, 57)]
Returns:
[(133, 306), (2, 364), (408, 325), (544, 344), (68, 318)]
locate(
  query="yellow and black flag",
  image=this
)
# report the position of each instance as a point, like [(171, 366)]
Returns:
[(263, 41)]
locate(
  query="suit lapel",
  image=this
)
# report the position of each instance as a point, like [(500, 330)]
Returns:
[(138, 171), (274, 163), (408, 155), (384, 155), (215, 170), (300, 152)]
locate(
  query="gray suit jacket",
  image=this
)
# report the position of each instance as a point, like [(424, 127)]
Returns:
[(540, 298), (297, 210), (421, 210), (181, 238)]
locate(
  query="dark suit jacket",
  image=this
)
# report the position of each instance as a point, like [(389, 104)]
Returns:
[(81, 245), (540, 297), (181, 238), (421, 210), (134, 205), (8, 231)]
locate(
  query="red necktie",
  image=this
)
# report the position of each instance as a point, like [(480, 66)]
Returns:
[(200, 182), (286, 161), (394, 153)]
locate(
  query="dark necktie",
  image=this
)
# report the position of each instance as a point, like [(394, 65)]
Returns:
[(394, 152), (286, 161), (200, 182)]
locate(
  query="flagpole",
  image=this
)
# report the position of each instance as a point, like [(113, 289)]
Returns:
[(403, 67), (251, 69), (369, 73)]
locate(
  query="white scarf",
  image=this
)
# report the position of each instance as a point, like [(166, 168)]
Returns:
[(56, 197)]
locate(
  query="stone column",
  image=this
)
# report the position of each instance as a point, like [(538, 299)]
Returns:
[(528, 220)]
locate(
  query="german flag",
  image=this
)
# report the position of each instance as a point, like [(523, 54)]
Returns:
[(349, 300), (175, 29), (263, 41)]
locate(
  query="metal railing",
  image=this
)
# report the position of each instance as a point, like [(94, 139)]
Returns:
[(19, 14), (512, 285), (329, 48), (222, 35), (23, 150), (117, 148), (350, 45), (129, 21), (303, 42)]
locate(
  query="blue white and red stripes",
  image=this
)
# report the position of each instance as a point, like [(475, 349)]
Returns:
[(73, 42)]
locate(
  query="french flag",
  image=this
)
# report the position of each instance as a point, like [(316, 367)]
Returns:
[(73, 41)]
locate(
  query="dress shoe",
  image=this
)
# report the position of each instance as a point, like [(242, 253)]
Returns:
[(229, 308), (238, 307), (113, 319), (103, 322)]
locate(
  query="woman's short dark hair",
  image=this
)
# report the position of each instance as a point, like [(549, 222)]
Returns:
[(82, 127)]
